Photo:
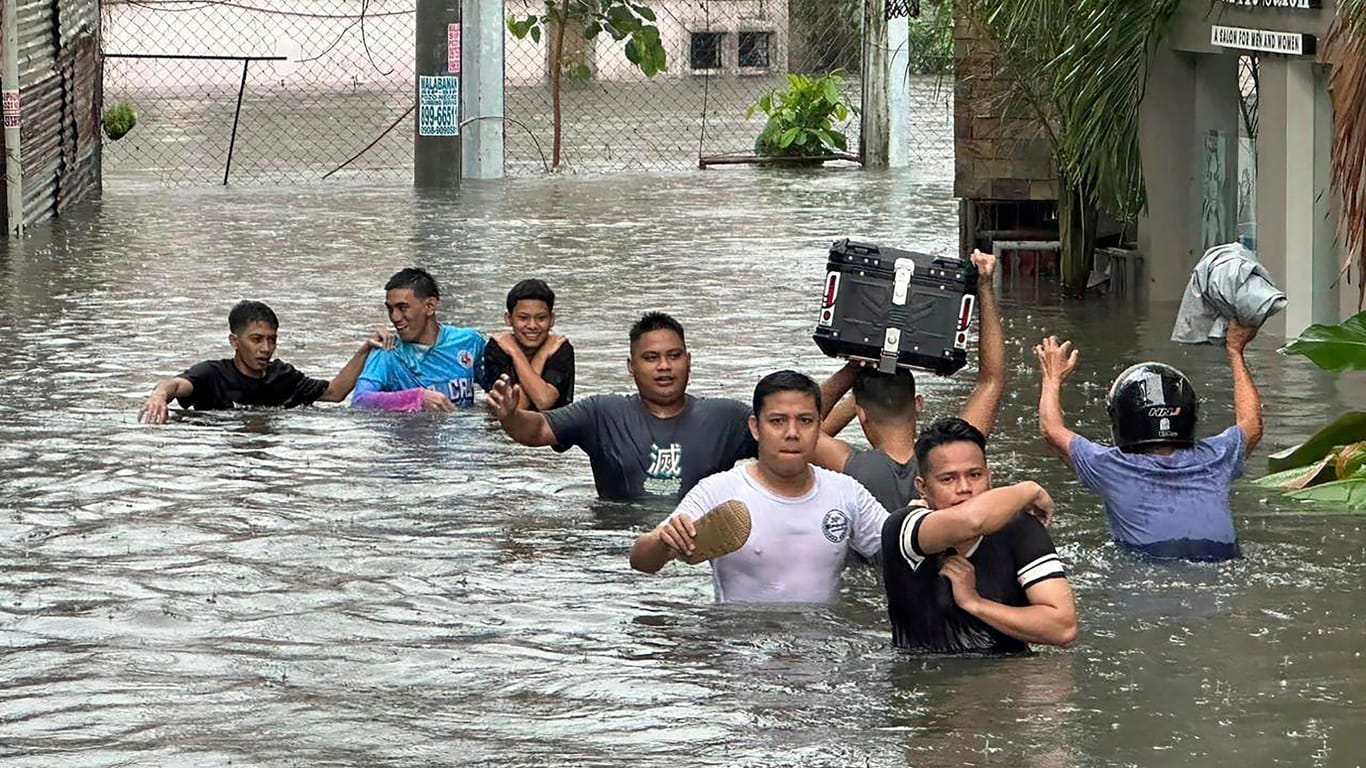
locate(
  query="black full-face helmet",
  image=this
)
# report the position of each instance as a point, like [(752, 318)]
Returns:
[(1152, 404)]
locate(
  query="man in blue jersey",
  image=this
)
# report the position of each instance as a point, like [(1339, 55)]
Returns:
[(433, 366)]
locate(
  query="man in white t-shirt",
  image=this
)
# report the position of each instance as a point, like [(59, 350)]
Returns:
[(803, 519)]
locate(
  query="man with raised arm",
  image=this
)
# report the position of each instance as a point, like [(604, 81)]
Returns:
[(971, 568), (888, 407), (1166, 494), (433, 366), (656, 443)]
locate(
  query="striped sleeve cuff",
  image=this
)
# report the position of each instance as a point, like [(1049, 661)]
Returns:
[(1042, 569), (910, 542)]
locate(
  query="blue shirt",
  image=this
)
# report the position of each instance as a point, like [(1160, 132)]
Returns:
[(1167, 506), (449, 366)]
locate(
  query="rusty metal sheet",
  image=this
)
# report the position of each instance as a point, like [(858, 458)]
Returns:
[(59, 79)]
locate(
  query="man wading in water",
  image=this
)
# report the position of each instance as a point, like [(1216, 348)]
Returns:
[(974, 570), (804, 519), (656, 443), (540, 362), (433, 365), (1166, 493), (251, 378)]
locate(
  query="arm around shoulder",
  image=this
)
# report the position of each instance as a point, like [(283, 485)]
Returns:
[(984, 513)]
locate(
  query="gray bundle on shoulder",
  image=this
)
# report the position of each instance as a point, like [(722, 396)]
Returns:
[(1228, 283)]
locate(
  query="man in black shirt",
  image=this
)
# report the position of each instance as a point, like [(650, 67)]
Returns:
[(973, 569), (887, 407), (531, 356), (251, 378)]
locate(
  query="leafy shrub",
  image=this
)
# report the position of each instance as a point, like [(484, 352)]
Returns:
[(802, 119), (119, 120)]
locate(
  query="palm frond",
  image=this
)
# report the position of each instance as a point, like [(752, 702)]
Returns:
[(1345, 49)]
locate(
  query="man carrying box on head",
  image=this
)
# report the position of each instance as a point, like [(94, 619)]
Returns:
[(433, 366), (888, 407), (541, 362)]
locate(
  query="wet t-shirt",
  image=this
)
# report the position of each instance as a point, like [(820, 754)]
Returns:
[(218, 385), (797, 545), (449, 366), (891, 482), (1173, 506), (635, 454), (920, 601), (558, 371)]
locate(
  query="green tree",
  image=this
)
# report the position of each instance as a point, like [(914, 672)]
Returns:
[(1076, 68), (619, 19)]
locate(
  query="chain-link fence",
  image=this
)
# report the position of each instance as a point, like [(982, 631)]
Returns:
[(329, 76), (320, 81)]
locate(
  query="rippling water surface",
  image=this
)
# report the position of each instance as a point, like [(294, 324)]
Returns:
[(324, 587)]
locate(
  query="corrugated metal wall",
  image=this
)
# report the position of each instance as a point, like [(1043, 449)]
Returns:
[(59, 83)]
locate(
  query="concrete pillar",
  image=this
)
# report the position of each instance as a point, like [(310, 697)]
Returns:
[(1166, 131), (483, 62), (1286, 187), (886, 88), (1215, 133)]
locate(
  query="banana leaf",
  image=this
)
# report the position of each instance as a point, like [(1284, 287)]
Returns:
[(1333, 347), (1299, 477), (1348, 428), (1349, 493)]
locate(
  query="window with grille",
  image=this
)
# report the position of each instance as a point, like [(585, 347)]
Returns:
[(754, 49), (706, 50)]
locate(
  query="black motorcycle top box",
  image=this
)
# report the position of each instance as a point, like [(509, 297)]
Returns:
[(896, 308)]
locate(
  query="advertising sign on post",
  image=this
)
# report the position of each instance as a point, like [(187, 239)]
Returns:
[(438, 105), (453, 48)]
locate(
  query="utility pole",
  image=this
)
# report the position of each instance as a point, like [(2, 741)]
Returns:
[(436, 139), (9, 82)]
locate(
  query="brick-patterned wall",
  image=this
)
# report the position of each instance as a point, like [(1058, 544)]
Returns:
[(996, 157)]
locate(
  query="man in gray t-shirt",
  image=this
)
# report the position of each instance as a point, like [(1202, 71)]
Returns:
[(658, 442), (887, 408)]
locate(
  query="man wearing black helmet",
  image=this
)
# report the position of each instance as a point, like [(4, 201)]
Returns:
[(1166, 493)]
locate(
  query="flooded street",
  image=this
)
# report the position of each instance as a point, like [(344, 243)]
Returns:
[(323, 587)]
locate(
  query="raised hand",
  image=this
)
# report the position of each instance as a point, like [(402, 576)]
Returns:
[(1056, 361), (1237, 337), (985, 263), (503, 398), (1041, 506), (381, 338)]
